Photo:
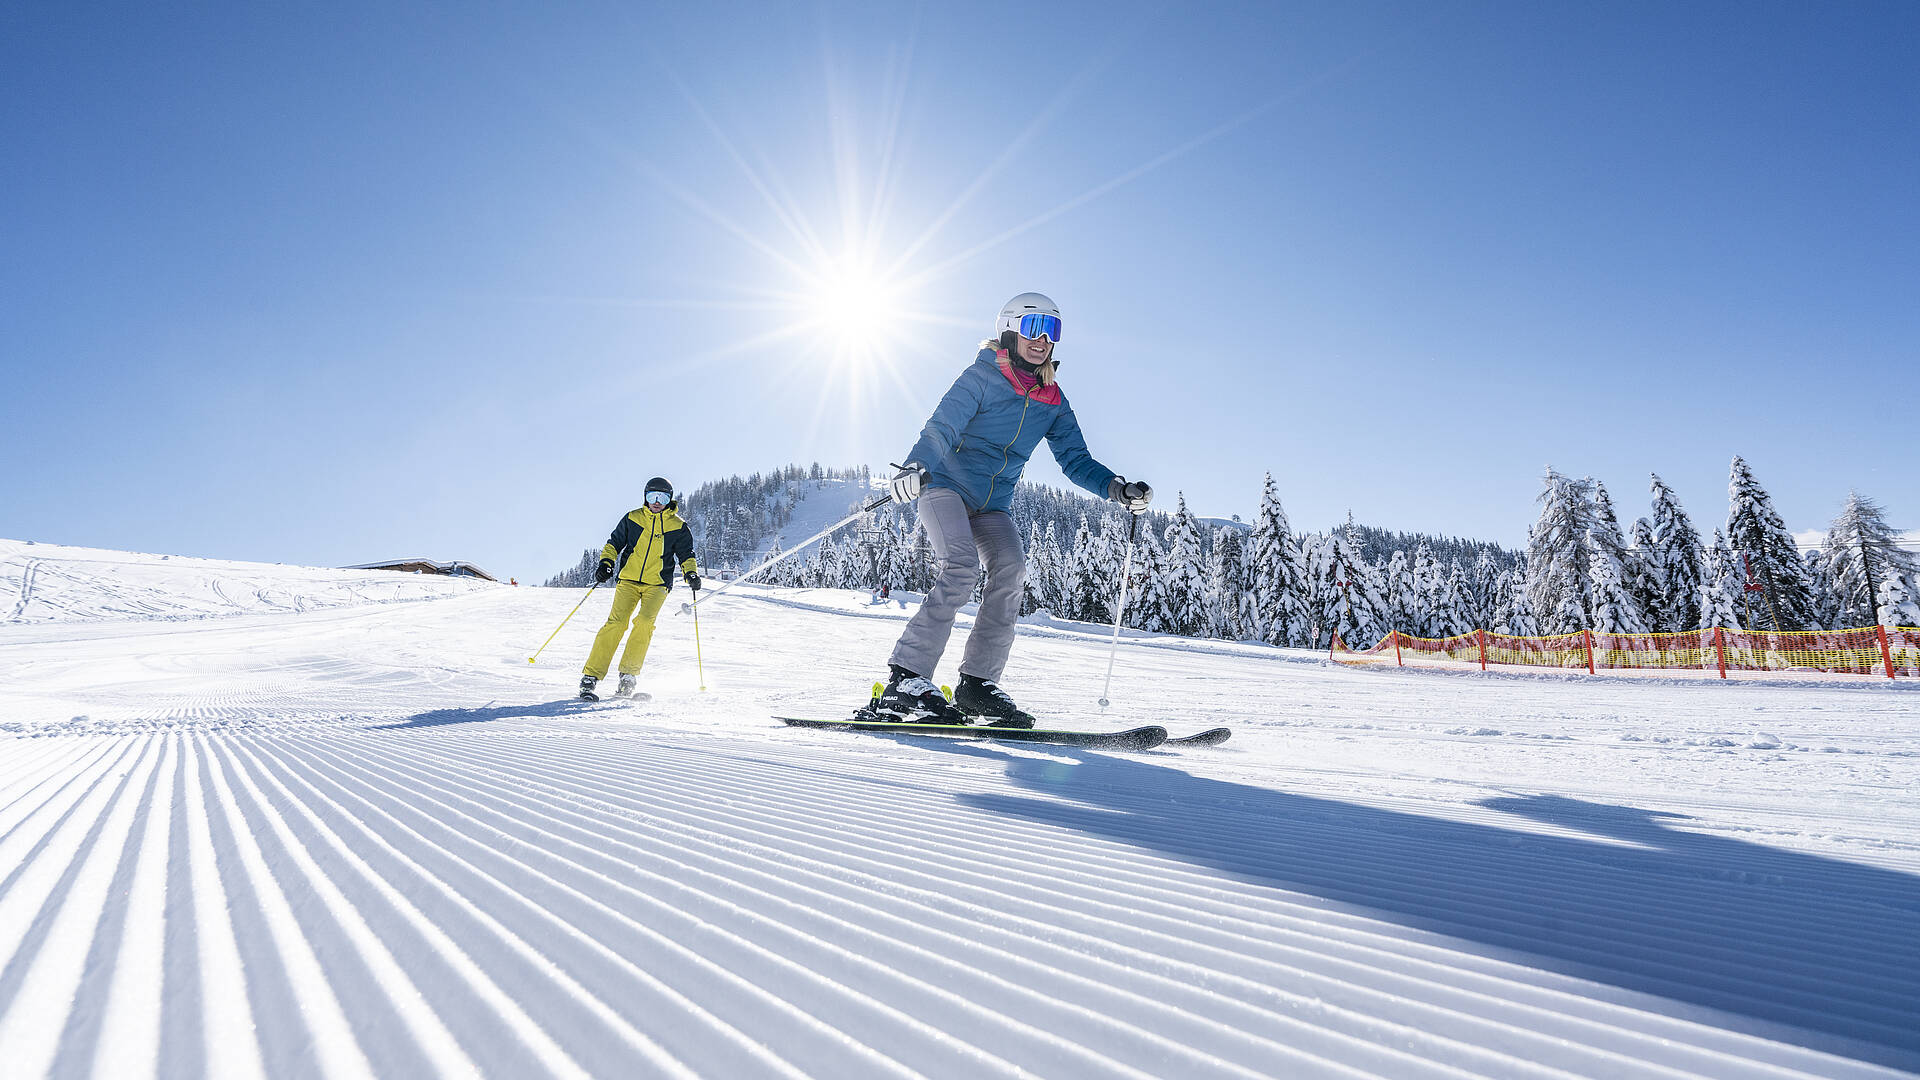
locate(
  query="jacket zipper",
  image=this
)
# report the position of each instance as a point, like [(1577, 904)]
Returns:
[(1007, 450), (653, 534)]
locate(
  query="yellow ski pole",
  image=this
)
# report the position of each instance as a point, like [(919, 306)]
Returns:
[(562, 626), (702, 664)]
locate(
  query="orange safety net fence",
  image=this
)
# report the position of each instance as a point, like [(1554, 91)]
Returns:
[(1887, 652)]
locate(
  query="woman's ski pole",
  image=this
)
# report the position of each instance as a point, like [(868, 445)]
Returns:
[(867, 508), (563, 623), (1119, 606)]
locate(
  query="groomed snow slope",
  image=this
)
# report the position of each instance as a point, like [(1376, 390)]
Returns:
[(41, 583), (372, 840)]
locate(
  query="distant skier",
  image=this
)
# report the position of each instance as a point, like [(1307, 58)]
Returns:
[(970, 454), (646, 546)]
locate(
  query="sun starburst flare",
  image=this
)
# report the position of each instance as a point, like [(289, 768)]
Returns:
[(844, 304)]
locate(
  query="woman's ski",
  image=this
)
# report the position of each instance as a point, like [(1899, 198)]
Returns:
[(1140, 738)]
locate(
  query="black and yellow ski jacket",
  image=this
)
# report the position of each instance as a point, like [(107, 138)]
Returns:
[(646, 546)]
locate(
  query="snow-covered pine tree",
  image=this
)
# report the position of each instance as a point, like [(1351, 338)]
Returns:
[(1606, 524), (1483, 593), (1423, 606), (1826, 592), (1349, 591), (843, 569), (818, 563), (1614, 609), (1033, 590), (1148, 606), (1119, 534), (1450, 612), (920, 560), (1054, 591), (1721, 586), (777, 575), (1557, 562), (1567, 596), (1228, 584), (1899, 606), (1861, 550), (1677, 561), (1276, 577), (1313, 555), (1756, 531), (1186, 586), (580, 576), (1402, 599), (1500, 619), (899, 555), (860, 559), (1087, 579), (1514, 614), (1606, 537), (1643, 573)]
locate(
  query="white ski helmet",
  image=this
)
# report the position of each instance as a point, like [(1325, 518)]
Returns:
[(1018, 308)]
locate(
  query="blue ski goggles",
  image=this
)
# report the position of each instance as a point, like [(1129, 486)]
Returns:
[(658, 499), (1038, 326)]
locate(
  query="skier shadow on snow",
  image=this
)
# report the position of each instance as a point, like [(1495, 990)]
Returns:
[(1765, 935), (546, 710)]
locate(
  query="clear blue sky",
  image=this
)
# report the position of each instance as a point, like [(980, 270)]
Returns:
[(332, 283)]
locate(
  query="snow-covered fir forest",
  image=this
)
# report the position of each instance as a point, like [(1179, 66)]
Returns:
[(1263, 581)]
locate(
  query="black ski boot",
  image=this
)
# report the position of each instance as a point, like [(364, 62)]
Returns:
[(587, 683), (980, 697), (626, 686), (914, 699)]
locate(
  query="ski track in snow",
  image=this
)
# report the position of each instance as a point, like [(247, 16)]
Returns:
[(373, 841)]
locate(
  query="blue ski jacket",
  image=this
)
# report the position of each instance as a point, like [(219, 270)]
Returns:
[(979, 437)]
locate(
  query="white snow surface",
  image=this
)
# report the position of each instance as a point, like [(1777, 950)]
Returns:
[(50, 583), (369, 839)]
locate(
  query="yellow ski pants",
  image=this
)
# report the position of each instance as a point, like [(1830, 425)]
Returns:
[(626, 596)]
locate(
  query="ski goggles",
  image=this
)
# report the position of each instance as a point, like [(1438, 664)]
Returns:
[(659, 498), (1040, 326)]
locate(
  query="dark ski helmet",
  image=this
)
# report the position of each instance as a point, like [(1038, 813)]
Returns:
[(659, 483), (659, 486)]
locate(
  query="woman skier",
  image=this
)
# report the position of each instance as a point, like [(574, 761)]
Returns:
[(646, 545), (970, 454)]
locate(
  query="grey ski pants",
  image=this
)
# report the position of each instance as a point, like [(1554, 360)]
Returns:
[(961, 541)]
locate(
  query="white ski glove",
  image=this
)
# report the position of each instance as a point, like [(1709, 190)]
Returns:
[(908, 482), (1134, 495)]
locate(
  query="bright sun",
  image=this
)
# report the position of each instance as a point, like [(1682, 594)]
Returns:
[(855, 308)]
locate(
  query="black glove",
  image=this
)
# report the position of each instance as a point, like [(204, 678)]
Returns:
[(1132, 494), (693, 580), (604, 573)]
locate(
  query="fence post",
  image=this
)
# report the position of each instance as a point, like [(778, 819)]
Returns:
[(1886, 655), (1588, 636), (1720, 649), (1483, 649), (1397, 662)]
